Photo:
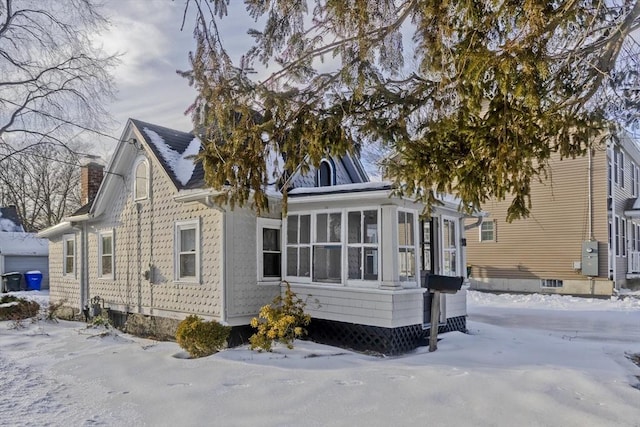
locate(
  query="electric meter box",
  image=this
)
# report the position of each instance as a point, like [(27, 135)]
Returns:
[(590, 258)]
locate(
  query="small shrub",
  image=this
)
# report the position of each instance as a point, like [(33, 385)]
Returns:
[(53, 310), (282, 321), (17, 309), (200, 338)]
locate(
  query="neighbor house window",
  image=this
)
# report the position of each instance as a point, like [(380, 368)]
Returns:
[(327, 248), (105, 255), (141, 181), (406, 246), (623, 236), (187, 247), (634, 179), (269, 250), (69, 255), (362, 245), (325, 174), (617, 235), (551, 283), (621, 169), (488, 231), (299, 245)]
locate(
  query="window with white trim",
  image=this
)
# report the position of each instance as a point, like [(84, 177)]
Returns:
[(327, 248), (550, 283), (634, 179), (106, 254), (623, 236), (269, 250), (621, 168), (69, 255), (362, 245), (325, 173), (406, 246), (488, 231), (187, 251), (617, 235), (299, 245), (141, 180), (450, 247)]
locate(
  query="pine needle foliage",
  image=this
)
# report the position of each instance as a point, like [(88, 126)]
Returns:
[(283, 321), (474, 96)]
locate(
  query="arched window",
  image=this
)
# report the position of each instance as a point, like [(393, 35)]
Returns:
[(325, 174), (141, 181)]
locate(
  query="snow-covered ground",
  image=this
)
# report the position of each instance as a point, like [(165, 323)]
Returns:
[(528, 360)]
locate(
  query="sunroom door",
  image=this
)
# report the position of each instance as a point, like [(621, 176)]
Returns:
[(450, 247)]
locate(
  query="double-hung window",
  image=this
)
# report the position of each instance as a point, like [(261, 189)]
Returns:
[(69, 255), (406, 246), (327, 248), (362, 245), (269, 250), (488, 231), (187, 247), (106, 255), (449, 247), (299, 245)]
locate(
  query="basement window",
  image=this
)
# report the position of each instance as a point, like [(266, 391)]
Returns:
[(550, 283)]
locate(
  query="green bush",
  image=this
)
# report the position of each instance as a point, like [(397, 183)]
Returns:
[(282, 321), (200, 338), (14, 308)]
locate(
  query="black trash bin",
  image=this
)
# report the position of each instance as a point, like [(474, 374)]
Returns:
[(12, 281)]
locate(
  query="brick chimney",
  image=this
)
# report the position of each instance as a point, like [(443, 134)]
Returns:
[(91, 175)]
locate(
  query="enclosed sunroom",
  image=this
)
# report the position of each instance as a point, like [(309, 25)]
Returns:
[(356, 255)]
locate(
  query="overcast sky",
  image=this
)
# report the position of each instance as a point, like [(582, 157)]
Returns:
[(147, 35)]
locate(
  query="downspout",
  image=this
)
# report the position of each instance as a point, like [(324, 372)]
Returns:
[(84, 269), (614, 223), (590, 208)]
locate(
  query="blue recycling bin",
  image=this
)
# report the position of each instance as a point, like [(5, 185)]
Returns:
[(33, 279)]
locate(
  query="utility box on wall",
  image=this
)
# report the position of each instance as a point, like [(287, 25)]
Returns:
[(590, 258)]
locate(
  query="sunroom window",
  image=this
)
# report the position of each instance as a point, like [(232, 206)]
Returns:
[(406, 247), (362, 245), (299, 245), (327, 249)]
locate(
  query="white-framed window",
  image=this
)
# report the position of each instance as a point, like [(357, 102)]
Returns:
[(362, 245), (623, 236), (326, 174), (621, 168), (617, 235), (634, 179), (406, 246), (269, 250), (106, 254), (299, 245), (187, 251), (426, 242), (488, 231), (450, 249), (141, 179), (550, 283), (327, 248), (69, 255)]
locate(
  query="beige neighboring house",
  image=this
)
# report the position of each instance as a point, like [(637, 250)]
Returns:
[(583, 235), (152, 246)]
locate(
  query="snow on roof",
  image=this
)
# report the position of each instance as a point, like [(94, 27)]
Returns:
[(181, 164), (361, 186)]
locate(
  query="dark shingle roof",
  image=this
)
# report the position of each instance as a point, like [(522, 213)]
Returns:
[(177, 141)]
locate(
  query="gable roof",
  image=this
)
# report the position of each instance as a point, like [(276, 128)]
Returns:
[(9, 220), (174, 150)]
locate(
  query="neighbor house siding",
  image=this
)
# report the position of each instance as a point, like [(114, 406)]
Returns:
[(144, 241), (546, 244)]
